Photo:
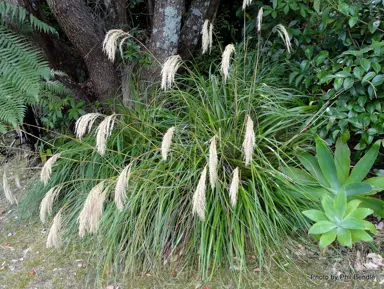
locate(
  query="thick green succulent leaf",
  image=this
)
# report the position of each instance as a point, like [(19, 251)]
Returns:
[(299, 176), (351, 206), (344, 237), (342, 160), (315, 215), (363, 166), (360, 235), (369, 226), (340, 204), (311, 164), (322, 227), (316, 192), (375, 204), (329, 210), (356, 189), (327, 238), (353, 223), (326, 163), (360, 213), (376, 182)]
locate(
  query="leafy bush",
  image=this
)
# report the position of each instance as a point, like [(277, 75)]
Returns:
[(156, 224), (337, 57)]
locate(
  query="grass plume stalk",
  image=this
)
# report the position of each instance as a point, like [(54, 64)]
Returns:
[(157, 224)]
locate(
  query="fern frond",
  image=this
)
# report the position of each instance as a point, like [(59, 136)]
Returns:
[(19, 15)]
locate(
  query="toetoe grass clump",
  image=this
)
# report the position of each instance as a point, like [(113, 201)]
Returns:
[(190, 176)]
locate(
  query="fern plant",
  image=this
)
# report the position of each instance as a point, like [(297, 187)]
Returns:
[(23, 70)]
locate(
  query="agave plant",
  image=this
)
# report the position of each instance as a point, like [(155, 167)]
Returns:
[(341, 220), (328, 174)]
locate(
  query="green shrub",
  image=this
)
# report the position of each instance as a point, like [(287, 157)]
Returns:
[(337, 58)]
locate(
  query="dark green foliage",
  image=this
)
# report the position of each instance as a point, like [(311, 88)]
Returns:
[(338, 58)]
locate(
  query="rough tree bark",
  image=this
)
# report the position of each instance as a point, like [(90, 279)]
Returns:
[(199, 11), (168, 35), (78, 24)]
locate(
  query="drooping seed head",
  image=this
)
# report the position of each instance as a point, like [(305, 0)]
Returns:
[(226, 60), (54, 238), (110, 42), (167, 142), (7, 191), (103, 132), (168, 72), (92, 212), (46, 204), (283, 33), (198, 202), (121, 186), (46, 171), (84, 124), (213, 162), (207, 36), (234, 188), (249, 141)]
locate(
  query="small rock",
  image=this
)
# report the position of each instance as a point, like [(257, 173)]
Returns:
[(79, 265)]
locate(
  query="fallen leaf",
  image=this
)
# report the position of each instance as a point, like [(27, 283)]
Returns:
[(32, 272), (173, 273), (84, 265)]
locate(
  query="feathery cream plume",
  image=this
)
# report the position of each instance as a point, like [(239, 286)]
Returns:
[(103, 132), (234, 188), (54, 238), (170, 67), (90, 216), (7, 191), (46, 171), (198, 206), (249, 141), (207, 37), (226, 60), (17, 181), (166, 143), (47, 202), (110, 42), (259, 19), (213, 161), (284, 36), (210, 37), (121, 186), (246, 3), (84, 124)]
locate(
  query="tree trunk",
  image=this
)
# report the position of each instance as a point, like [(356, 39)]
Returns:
[(199, 11), (165, 35), (82, 30)]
